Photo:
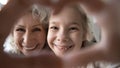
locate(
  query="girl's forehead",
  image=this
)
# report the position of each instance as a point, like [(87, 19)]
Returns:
[(66, 19), (70, 13), (65, 23)]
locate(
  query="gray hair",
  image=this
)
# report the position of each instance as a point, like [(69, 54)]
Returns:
[(9, 45), (39, 13)]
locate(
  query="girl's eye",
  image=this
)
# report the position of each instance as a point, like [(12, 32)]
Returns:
[(20, 30), (36, 29), (54, 28), (73, 28)]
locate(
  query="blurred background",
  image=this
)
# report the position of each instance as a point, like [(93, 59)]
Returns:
[(2, 3)]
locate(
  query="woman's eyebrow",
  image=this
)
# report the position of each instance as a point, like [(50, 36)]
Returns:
[(37, 25), (19, 26)]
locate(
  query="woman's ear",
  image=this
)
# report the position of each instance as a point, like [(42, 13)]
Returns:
[(85, 36)]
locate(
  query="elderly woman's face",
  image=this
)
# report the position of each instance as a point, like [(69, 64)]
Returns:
[(29, 35)]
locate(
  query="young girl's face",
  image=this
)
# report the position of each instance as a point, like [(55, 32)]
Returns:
[(65, 34), (29, 35)]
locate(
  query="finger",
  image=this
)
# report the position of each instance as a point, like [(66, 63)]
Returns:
[(85, 56)]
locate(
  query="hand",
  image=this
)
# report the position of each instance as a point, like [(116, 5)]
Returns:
[(106, 15)]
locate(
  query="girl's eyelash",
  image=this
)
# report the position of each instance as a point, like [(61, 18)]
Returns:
[(53, 27), (74, 28)]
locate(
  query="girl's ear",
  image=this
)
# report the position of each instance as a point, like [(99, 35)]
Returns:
[(84, 35)]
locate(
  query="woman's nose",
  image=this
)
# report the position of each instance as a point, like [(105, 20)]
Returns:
[(27, 40)]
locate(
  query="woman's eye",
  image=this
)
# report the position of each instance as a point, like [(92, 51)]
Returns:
[(20, 30), (36, 29)]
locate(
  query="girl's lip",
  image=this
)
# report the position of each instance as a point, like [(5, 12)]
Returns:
[(63, 47), (30, 48)]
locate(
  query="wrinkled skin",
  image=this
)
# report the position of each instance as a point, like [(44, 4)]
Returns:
[(106, 15), (29, 35)]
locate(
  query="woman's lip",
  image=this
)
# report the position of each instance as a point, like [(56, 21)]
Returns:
[(30, 48)]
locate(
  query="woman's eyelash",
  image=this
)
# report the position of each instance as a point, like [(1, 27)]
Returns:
[(36, 29), (20, 29)]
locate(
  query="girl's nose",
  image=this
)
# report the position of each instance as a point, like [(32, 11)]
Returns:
[(63, 36)]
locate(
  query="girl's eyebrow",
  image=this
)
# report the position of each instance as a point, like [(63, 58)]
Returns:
[(75, 23), (53, 22)]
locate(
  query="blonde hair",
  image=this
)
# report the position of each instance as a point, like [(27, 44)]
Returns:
[(39, 13), (89, 37), (85, 21)]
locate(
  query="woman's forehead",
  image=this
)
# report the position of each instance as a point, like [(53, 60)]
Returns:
[(27, 20)]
